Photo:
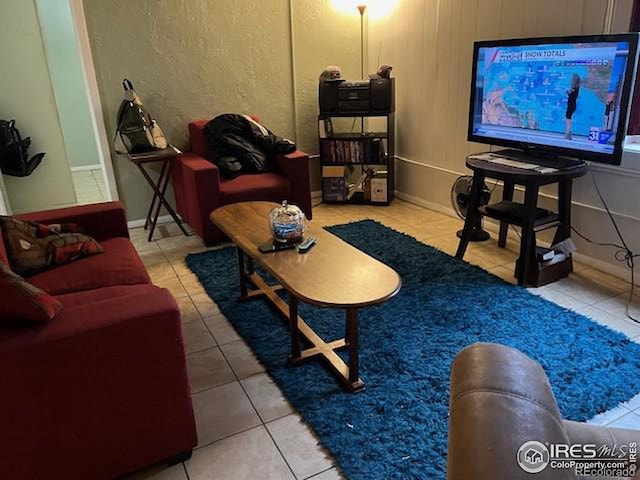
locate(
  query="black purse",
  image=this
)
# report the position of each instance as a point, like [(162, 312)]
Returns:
[(14, 151)]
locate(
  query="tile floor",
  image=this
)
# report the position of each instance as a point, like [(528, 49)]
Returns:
[(247, 430), (89, 186)]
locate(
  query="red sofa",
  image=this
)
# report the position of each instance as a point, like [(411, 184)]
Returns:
[(102, 389), (199, 189)]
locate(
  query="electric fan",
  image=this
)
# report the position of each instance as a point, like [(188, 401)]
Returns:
[(461, 198)]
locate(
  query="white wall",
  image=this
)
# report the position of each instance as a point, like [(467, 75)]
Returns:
[(27, 96), (429, 43)]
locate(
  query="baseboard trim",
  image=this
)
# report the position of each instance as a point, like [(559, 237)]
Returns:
[(140, 223), (84, 168), (316, 194), (596, 167), (427, 204)]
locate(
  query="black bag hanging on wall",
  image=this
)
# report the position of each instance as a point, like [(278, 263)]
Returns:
[(136, 131), (14, 158)]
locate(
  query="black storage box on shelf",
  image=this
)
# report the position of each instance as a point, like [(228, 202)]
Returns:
[(334, 189), (364, 96)]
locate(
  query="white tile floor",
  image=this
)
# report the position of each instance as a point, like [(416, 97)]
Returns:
[(247, 430), (89, 186)]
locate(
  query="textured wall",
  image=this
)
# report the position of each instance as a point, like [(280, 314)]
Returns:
[(430, 45), (27, 96), (322, 36), (198, 58)]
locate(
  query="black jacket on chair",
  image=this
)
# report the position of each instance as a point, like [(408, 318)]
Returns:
[(239, 144)]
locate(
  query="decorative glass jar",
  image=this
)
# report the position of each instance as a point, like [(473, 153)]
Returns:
[(287, 223)]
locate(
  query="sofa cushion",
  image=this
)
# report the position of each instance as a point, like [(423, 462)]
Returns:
[(33, 247), (86, 297), (272, 187), (118, 265), (24, 302)]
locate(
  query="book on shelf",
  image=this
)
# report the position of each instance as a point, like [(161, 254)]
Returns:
[(325, 128), (370, 150)]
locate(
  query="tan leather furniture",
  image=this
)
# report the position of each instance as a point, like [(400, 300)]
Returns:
[(500, 399)]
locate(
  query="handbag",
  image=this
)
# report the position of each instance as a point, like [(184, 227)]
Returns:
[(136, 131)]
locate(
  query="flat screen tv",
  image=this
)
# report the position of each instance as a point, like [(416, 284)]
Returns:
[(564, 96)]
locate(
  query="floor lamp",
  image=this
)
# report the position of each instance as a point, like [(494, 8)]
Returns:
[(361, 8)]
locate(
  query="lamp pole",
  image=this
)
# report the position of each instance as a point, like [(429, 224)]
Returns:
[(361, 9)]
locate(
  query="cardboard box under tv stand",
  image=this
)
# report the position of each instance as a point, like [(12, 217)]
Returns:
[(540, 275)]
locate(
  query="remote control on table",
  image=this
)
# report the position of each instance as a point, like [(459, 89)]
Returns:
[(306, 244)]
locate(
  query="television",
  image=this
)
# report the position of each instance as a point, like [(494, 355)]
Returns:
[(552, 97)]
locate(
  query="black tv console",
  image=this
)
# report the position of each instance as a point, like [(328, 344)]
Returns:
[(526, 215), (543, 159)]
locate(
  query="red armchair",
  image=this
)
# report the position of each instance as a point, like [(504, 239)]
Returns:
[(199, 189), (102, 389)]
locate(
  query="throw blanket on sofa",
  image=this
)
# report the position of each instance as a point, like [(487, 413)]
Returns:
[(238, 144)]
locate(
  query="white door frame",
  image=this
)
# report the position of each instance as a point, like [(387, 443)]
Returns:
[(95, 106), (5, 209)]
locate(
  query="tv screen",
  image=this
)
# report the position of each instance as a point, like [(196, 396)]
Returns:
[(565, 95)]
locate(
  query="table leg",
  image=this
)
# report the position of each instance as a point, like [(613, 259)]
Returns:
[(564, 211), (147, 221), (507, 195), (241, 273), (353, 342), (163, 182), (528, 235), (159, 191), (293, 328), (251, 269), (472, 213)]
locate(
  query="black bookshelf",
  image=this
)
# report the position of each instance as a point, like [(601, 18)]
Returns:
[(364, 155)]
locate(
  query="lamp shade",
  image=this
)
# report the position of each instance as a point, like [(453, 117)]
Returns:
[(376, 9)]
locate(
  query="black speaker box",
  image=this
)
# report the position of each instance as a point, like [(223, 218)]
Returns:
[(382, 95), (328, 97)]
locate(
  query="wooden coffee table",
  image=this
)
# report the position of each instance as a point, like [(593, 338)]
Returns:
[(333, 274)]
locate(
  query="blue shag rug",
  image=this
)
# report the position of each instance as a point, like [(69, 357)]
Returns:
[(397, 427)]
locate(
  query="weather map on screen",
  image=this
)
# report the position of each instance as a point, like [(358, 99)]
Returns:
[(565, 95)]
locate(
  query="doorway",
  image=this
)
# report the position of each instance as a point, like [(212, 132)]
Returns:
[(74, 85)]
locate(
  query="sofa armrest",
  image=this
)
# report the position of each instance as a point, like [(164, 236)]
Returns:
[(500, 399), (295, 166), (100, 220), (106, 381), (197, 184)]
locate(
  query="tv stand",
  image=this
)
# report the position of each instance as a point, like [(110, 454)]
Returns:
[(540, 157), (526, 215)]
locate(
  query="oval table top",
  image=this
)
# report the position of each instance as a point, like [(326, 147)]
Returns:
[(521, 175), (331, 274)]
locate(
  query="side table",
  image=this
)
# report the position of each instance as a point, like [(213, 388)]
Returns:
[(530, 218), (166, 157)]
